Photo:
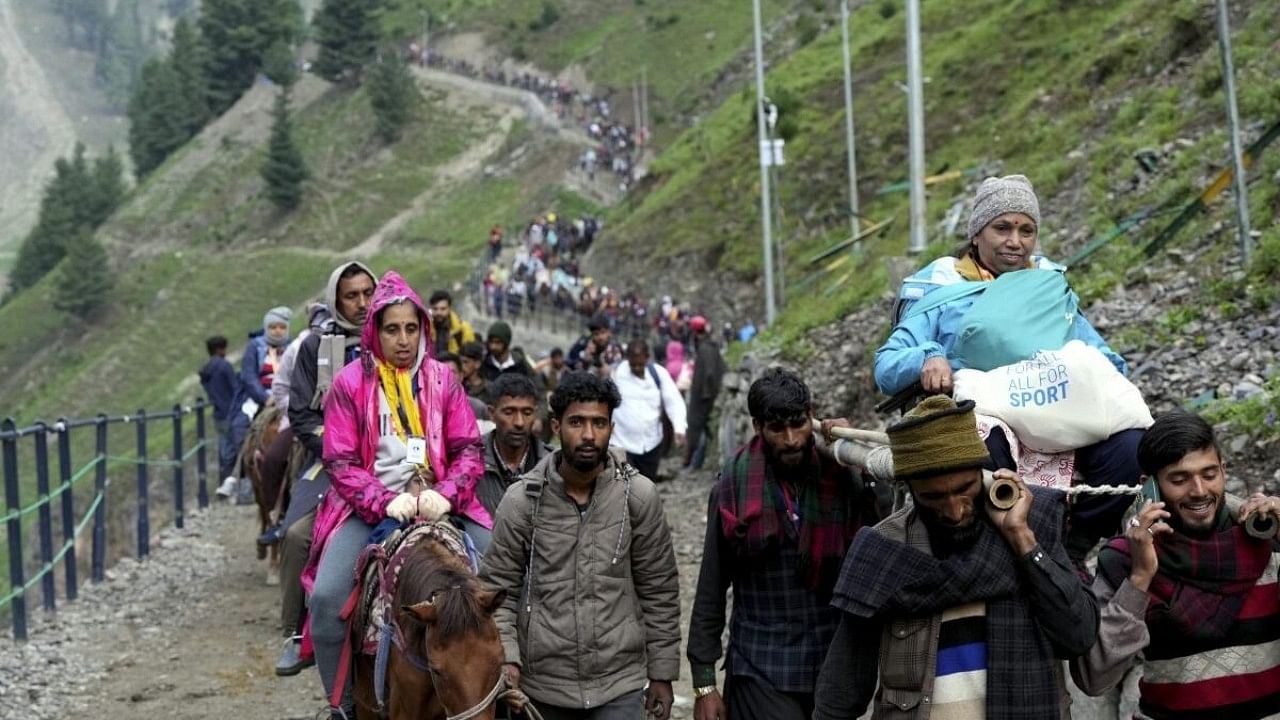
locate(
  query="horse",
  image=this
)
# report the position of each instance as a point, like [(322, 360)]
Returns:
[(262, 433), (447, 658)]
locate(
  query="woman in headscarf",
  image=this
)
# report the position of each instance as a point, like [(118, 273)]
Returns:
[(400, 442), (1003, 230)]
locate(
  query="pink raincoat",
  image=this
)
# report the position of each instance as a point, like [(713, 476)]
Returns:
[(454, 449)]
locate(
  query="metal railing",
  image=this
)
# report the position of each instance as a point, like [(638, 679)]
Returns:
[(544, 315), (95, 513)]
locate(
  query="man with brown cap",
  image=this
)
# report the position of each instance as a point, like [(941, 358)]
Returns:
[(950, 607)]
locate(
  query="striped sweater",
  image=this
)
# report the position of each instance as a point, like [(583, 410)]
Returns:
[(1236, 676)]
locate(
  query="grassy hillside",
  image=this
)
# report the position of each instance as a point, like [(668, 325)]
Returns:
[(1064, 91)]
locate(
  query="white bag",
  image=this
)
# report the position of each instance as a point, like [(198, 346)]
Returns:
[(1059, 399)]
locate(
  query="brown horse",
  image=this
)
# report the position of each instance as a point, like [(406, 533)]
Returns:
[(263, 432), (451, 661)]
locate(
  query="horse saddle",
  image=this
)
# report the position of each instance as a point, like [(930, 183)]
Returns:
[(378, 571)]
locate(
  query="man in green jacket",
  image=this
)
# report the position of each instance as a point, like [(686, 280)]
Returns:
[(581, 546)]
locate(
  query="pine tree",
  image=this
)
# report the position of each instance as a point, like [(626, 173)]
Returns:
[(84, 278), (64, 209), (348, 33), (284, 170), (280, 66), (392, 94), (188, 58), (157, 119), (237, 34), (107, 185)]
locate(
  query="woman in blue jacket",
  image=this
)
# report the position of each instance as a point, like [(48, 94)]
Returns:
[(1003, 230)]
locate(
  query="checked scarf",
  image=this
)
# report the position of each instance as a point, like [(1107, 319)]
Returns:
[(754, 514), (885, 579), (1201, 583)]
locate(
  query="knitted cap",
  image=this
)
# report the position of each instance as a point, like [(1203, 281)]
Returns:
[(936, 437), (997, 196), (277, 315), (500, 330)]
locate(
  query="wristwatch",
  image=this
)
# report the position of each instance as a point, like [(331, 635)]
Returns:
[(705, 690)]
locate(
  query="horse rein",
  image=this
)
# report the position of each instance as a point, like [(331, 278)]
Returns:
[(501, 691)]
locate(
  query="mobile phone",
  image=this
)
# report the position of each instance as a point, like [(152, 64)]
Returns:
[(1151, 490)]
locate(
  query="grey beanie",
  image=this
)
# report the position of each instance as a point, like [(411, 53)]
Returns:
[(276, 315), (997, 196)]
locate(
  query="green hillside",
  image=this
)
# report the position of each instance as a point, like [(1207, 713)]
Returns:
[(1064, 91)]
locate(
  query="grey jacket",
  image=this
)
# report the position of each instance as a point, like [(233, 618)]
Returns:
[(593, 607)]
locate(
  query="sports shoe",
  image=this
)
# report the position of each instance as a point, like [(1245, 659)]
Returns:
[(244, 493), (272, 536), (228, 486), (291, 662)]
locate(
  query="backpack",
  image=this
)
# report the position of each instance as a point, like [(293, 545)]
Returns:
[(331, 357), (1014, 317)]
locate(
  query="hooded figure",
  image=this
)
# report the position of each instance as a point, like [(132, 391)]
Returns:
[(375, 413)]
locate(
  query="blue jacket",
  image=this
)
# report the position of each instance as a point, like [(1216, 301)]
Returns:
[(221, 385), (933, 333), (251, 368)]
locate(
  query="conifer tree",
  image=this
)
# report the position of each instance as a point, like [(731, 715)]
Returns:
[(157, 121), (64, 209), (284, 169), (107, 186), (84, 278), (237, 34), (348, 33), (188, 58), (121, 53), (392, 94)]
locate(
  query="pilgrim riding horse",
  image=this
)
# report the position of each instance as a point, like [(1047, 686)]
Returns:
[(422, 631)]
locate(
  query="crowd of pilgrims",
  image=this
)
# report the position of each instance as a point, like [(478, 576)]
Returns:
[(841, 592)]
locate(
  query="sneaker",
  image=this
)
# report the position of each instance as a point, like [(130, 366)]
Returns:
[(244, 494), (291, 661), (228, 486)]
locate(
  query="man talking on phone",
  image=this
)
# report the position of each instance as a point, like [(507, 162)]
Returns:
[(1189, 588)]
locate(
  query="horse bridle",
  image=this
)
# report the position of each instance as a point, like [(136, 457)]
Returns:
[(502, 690)]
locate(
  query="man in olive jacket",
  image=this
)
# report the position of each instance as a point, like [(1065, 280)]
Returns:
[(582, 548)]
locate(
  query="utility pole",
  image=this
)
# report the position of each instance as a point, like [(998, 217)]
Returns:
[(848, 121), (915, 126), (1233, 114), (644, 101), (765, 150)]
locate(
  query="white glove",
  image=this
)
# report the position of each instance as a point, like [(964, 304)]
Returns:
[(402, 507), (432, 505)]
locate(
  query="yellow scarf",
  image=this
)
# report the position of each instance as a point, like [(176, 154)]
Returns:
[(970, 269), (397, 385)]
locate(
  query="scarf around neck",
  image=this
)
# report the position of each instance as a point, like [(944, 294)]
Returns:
[(756, 512), (1201, 583), (397, 385)]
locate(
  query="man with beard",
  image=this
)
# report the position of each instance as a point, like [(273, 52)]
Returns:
[(583, 551), (951, 608), (510, 448), (778, 523), (333, 344), (1189, 589), (448, 331)]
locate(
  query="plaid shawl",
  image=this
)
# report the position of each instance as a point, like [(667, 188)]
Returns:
[(1201, 584), (885, 579), (753, 512)]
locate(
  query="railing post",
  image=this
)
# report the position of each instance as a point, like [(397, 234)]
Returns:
[(49, 591), (202, 464), (68, 508), (177, 468), (14, 528), (144, 522), (99, 556)]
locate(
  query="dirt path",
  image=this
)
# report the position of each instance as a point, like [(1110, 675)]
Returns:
[(34, 131)]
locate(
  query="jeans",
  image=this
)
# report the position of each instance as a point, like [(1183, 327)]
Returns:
[(231, 433), (334, 581), (480, 535)]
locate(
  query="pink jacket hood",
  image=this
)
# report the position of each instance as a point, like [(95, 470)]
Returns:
[(351, 427)]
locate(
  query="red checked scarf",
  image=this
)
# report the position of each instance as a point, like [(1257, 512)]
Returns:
[(1201, 584), (754, 512)]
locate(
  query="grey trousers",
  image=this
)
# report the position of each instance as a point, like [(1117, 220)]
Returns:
[(294, 548), (480, 535), (334, 581), (627, 707)]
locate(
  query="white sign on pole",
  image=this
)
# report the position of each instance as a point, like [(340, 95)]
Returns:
[(771, 153)]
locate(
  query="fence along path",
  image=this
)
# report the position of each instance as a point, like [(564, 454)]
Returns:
[(14, 520)]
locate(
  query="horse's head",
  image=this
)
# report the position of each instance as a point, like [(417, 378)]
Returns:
[(460, 643)]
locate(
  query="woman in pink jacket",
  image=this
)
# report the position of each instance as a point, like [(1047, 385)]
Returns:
[(400, 441)]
